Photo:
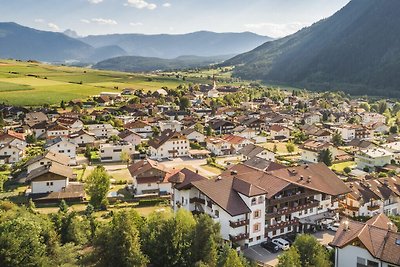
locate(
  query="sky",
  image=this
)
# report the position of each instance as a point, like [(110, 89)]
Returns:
[(274, 18)]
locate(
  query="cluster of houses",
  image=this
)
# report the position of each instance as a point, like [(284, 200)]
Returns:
[(261, 197)]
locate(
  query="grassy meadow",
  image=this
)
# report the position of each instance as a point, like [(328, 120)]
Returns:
[(33, 84)]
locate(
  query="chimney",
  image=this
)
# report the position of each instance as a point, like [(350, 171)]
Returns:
[(309, 179), (233, 172), (346, 225), (390, 226), (301, 177), (219, 178), (197, 171)]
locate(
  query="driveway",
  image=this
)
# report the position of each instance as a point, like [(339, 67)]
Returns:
[(262, 256)]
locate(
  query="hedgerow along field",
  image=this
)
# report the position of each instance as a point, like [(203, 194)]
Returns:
[(35, 84)]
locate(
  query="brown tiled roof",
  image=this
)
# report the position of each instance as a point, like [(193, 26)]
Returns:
[(54, 168), (277, 128), (374, 235), (316, 177), (251, 150), (222, 193), (142, 166), (164, 137), (12, 134), (184, 179), (233, 139), (55, 157), (136, 124), (263, 164)]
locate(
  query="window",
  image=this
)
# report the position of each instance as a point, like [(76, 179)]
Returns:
[(257, 214), (282, 230), (216, 212), (258, 237), (274, 232), (289, 228), (360, 262), (256, 227), (148, 185), (253, 201), (372, 263)]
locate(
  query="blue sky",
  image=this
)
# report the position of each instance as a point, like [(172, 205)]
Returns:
[(275, 18)]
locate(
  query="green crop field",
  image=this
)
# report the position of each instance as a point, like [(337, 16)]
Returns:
[(34, 84)]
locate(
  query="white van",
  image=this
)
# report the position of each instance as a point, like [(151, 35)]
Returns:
[(333, 227), (281, 243)]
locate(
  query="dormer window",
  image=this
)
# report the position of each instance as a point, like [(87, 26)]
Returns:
[(253, 201)]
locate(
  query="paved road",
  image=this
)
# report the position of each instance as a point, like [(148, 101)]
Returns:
[(257, 253)]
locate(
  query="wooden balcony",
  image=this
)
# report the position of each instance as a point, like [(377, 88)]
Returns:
[(282, 225), (238, 237), (294, 197), (351, 208), (197, 200), (236, 224), (286, 211), (373, 208)]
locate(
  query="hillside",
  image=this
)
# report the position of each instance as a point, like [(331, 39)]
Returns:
[(25, 43), (202, 43), (139, 64), (356, 50)]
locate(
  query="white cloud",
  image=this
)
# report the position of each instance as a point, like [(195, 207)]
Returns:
[(85, 21), (135, 24), (53, 26), (102, 21), (39, 20), (140, 4), (166, 5), (95, 1), (276, 30)]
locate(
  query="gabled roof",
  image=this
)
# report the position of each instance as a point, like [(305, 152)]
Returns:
[(251, 150), (164, 137), (222, 193), (54, 157), (378, 236), (263, 164), (54, 168), (144, 165), (184, 178), (316, 177)]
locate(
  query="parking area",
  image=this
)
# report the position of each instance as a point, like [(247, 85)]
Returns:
[(262, 256)]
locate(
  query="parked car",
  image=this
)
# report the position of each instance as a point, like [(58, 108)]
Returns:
[(271, 247), (281, 243), (333, 227), (290, 238)]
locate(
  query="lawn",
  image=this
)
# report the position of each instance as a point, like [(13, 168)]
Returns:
[(340, 166), (48, 84), (281, 147)]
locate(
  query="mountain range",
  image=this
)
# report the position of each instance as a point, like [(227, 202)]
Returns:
[(140, 64), (356, 50), (20, 42), (202, 43)]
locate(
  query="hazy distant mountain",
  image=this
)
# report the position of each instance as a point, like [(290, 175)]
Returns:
[(201, 43), (71, 33), (356, 50), (21, 42), (139, 64)]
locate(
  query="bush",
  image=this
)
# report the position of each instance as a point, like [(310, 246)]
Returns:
[(347, 170), (366, 169)]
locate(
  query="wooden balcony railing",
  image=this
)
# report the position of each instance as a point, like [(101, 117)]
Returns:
[(197, 200), (294, 197), (286, 211), (239, 237), (281, 225), (373, 208), (236, 224)]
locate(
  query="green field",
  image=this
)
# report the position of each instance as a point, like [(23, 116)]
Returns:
[(33, 84)]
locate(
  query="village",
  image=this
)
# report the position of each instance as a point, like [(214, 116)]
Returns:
[(264, 163)]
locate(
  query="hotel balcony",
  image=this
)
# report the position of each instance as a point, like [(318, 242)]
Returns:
[(235, 224), (373, 208), (197, 200), (238, 237), (281, 225), (285, 211), (293, 197)]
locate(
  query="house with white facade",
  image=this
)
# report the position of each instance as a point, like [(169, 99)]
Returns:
[(371, 117), (62, 145), (142, 128), (194, 136), (82, 138), (102, 131), (112, 152), (218, 146), (372, 158), (372, 196), (253, 205), (375, 243), (151, 177), (279, 132), (311, 149), (169, 144), (130, 137), (252, 150)]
